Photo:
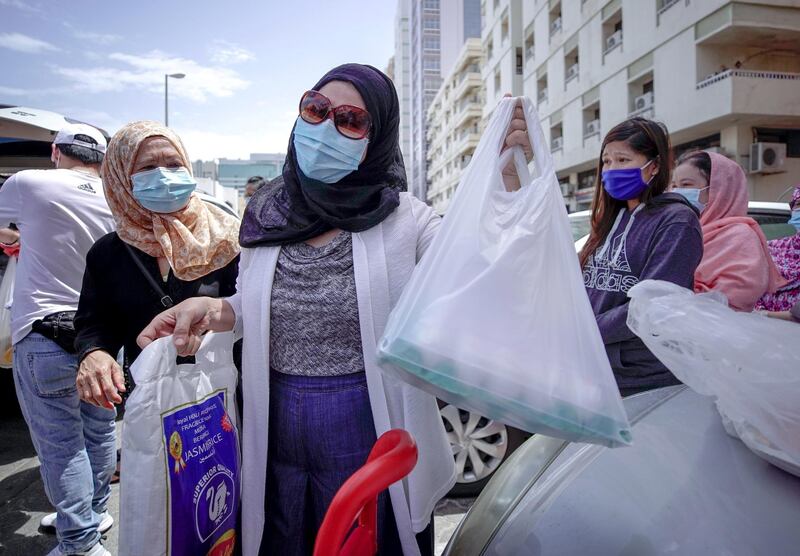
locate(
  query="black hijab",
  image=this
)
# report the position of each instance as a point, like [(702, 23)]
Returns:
[(297, 208)]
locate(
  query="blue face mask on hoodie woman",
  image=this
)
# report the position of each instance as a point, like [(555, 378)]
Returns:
[(624, 184), (163, 190)]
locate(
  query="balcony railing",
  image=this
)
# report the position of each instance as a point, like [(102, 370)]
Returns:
[(613, 41), (529, 52), (648, 112), (752, 74), (665, 5), (555, 26)]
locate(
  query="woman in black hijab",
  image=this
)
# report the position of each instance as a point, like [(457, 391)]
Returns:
[(327, 252)]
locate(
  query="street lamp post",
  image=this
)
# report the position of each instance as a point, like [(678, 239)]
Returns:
[(166, 93)]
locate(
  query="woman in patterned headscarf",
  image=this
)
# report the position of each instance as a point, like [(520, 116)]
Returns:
[(785, 303), (167, 239)]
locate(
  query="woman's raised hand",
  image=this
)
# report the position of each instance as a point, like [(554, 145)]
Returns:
[(517, 135)]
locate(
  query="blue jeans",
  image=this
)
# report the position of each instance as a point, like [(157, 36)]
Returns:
[(75, 441), (320, 432)]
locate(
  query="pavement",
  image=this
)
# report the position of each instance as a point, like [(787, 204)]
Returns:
[(23, 501)]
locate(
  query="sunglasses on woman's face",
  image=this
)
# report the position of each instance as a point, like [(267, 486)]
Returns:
[(351, 121)]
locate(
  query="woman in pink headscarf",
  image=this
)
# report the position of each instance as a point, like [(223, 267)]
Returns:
[(736, 260), (785, 303)]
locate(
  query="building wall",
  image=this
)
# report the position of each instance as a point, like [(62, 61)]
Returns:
[(204, 169), (235, 172), (502, 44), (426, 79), (402, 76), (454, 124), (437, 28), (688, 50)]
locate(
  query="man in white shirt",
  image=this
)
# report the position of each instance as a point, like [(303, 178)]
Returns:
[(60, 214)]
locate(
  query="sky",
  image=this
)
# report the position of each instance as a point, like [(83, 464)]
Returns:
[(246, 63)]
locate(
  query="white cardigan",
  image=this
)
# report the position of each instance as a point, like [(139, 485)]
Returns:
[(383, 259)]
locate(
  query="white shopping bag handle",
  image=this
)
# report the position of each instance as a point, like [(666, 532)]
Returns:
[(519, 162), (541, 153)]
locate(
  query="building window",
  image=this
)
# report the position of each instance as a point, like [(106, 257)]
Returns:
[(529, 46), (541, 88), (519, 60), (430, 23), (504, 30), (556, 137), (555, 20), (663, 5), (497, 82), (431, 43), (571, 66), (612, 32), (431, 4), (642, 96), (496, 5), (431, 63), (591, 121)]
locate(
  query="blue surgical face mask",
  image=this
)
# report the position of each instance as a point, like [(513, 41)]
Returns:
[(795, 219), (163, 190), (624, 184), (692, 195), (323, 153)]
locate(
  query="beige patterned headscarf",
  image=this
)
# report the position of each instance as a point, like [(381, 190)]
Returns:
[(196, 240)]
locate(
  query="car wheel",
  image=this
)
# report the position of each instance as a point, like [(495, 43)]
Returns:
[(480, 445)]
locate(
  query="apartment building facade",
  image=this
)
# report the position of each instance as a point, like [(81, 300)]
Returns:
[(455, 124), (721, 75)]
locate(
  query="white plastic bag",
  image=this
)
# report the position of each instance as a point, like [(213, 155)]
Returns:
[(180, 453), (6, 295), (748, 362), (495, 318)]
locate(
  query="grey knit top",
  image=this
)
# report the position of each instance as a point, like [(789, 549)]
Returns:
[(314, 324)]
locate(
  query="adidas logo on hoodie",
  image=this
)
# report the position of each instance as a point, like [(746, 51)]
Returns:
[(88, 188)]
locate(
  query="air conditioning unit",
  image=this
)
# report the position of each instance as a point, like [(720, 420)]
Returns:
[(572, 72), (556, 143), (555, 27), (592, 127), (644, 101), (767, 158), (614, 40)]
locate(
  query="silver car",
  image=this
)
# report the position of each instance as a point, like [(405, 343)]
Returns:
[(684, 487)]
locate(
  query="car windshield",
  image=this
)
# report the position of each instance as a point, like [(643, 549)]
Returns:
[(774, 226), (581, 226)]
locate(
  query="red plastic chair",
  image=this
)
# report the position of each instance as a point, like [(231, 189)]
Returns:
[(391, 459)]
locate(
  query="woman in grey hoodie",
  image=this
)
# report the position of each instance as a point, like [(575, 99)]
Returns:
[(639, 232)]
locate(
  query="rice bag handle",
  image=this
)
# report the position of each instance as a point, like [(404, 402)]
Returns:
[(216, 347)]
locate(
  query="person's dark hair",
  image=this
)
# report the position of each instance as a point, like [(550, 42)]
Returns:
[(257, 181), (698, 159), (82, 154), (645, 137)]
